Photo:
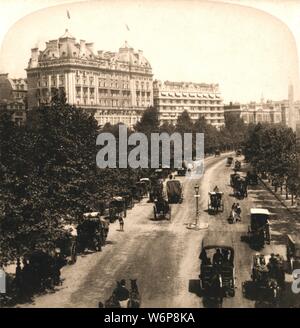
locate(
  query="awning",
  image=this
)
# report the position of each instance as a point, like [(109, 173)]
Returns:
[(163, 93), (177, 94), (199, 95), (211, 96), (192, 95), (171, 94), (185, 94)]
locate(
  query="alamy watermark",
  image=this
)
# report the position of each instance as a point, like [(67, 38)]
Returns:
[(187, 149), (296, 281), (2, 282)]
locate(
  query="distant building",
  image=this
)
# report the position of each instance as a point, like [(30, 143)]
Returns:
[(198, 99), (13, 97), (262, 112), (115, 86)]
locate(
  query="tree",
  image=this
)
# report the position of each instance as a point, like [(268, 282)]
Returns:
[(48, 171), (184, 123), (149, 122)]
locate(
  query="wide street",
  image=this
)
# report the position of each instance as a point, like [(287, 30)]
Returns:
[(163, 255)]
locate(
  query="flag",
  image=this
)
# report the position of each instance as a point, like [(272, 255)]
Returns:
[(127, 27), (68, 14)]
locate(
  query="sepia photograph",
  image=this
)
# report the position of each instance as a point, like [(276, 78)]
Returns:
[(149, 155)]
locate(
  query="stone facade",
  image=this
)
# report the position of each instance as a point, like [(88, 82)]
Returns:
[(262, 112), (13, 97), (115, 86), (198, 99)]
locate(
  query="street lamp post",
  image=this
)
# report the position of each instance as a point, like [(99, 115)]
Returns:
[(197, 203)]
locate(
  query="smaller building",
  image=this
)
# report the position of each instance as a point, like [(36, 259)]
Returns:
[(198, 99), (262, 112), (13, 97)]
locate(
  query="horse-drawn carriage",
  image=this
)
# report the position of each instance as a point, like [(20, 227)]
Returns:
[(156, 189), (217, 273), (293, 252), (141, 189), (161, 209), (174, 191), (259, 229), (146, 185), (215, 201), (92, 232), (252, 178), (116, 209), (237, 165), (233, 178), (67, 243), (240, 187), (217, 152), (229, 161), (267, 276), (238, 152), (127, 197), (43, 268)]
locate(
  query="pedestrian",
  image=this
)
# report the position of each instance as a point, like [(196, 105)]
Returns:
[(233, 213), (217, 258), (121, 222), (238, 211), (18, 279)]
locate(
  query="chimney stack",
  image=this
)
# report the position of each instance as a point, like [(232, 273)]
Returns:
[(34, 57)]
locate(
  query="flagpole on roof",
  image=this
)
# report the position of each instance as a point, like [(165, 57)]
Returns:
[(68, 20)]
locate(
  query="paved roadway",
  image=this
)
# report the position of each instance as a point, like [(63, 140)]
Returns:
[(163, 255)]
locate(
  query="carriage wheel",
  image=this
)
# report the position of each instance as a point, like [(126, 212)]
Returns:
[(222, 207), (154, 212), (73, 254)]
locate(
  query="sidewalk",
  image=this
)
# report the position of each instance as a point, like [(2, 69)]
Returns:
[(287, 203)]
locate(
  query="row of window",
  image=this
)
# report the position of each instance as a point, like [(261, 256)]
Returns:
[(115, 120), (104, 102), (20, 87), (193, 115), (209, 121), (195, 108), (101, 92), (200, 102)]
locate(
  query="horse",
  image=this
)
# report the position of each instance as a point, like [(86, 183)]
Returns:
[(122, 298), (134, 296), (112, 302)]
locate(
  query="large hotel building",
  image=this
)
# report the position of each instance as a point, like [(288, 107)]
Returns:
[(115, 86), (198, 99)]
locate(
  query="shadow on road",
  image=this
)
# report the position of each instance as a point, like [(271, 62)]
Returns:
[(208, 301)]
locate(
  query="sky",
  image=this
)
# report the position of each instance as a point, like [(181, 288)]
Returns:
[(250, 53)]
